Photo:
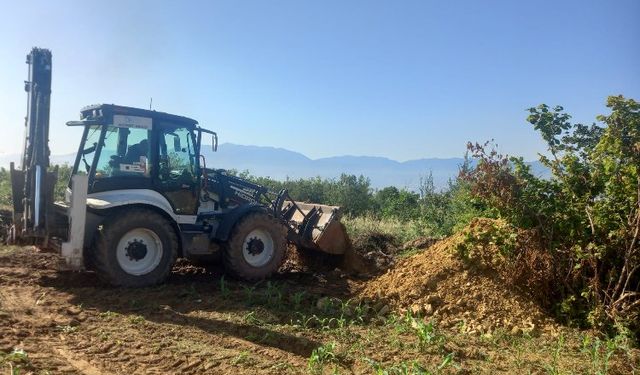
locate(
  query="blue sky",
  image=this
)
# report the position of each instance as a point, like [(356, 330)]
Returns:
[(400, 79)]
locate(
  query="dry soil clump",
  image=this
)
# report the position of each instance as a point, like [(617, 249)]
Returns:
[(438, 285), (370, 253)]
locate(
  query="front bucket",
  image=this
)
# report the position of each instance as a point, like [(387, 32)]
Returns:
[(333, 239), (317, 227)]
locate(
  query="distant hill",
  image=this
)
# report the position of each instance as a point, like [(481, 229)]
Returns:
[(279, 164)]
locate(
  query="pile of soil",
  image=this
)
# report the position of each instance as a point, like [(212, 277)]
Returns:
[(420, 243), (300, 260), (369, 254), (438, 285)]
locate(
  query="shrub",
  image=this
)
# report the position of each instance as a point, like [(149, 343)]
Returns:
[(587, 214)]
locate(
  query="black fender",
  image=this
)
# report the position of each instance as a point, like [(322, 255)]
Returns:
[(230, 219)]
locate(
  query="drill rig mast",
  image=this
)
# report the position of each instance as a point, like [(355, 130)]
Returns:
[(32, 185)]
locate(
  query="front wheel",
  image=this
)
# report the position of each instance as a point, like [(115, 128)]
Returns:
[(135, 248), (256, 248)]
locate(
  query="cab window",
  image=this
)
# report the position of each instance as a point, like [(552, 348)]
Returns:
[(125, 153), (177, 155)]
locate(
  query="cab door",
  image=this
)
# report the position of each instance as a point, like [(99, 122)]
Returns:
[(123, 157), (177, 176)]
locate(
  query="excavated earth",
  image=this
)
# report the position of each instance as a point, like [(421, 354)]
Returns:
[(437, 285)]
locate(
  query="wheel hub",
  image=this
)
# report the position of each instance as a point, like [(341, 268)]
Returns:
[(255, 246), (139, 251), (258, 248), (136, 250)]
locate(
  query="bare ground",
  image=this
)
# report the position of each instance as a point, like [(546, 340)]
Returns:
[(200, 322)]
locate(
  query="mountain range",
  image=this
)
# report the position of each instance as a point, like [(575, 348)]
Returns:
[(280, 164)]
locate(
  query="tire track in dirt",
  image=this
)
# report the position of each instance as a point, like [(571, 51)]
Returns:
[(32, 328), (35, 318), (70, 324), (80, 364)]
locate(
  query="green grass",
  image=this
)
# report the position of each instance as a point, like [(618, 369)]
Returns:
[(66, 328), (411, 367), (16, 361), (6, 250), (136, 319), (403, 231), (224, 287), (109, 314), (244, 359), (348, 335), (321, 357)]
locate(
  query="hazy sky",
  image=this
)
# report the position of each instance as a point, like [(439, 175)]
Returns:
[(401, 79)]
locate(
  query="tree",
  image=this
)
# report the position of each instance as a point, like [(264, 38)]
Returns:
[(588, 213), (352, 193), (394, 203)]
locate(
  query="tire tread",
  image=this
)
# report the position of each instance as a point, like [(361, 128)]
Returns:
[(233, 260), (99, 255)]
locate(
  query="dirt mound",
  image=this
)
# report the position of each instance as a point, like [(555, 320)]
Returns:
[(368, 254), (471, 294), (300, 260), (420, 243), (371, 253)]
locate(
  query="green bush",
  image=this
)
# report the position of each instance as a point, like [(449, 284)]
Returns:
[(5, 189), (587, 214), (401, 230), (391, 202), (448, 210), (438, 212), (64, 173)]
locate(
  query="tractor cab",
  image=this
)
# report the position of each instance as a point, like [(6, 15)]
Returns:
[(131, 148)]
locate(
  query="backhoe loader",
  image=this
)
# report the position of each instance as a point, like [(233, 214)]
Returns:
[(140, 196)]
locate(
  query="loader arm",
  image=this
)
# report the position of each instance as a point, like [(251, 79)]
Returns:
[(310, 225)]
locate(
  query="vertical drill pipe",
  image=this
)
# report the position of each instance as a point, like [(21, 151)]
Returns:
[(37, 197)]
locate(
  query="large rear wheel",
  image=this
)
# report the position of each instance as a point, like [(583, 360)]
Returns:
[(256, 248), (135, 248)]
